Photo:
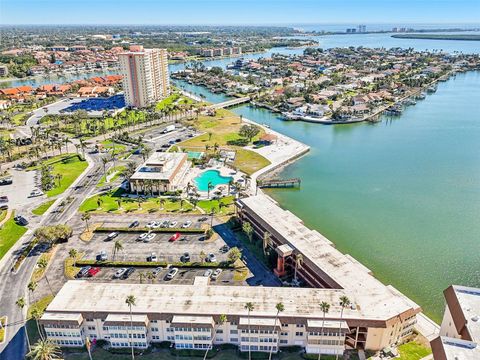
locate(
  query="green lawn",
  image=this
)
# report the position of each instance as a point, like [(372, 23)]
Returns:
[(40, 305), (109, 204), (3, 214), (413, 351), (112, 145), (42, 208), (70, 166), (118, 170), (9, 234), (249, 162), (207, 205)]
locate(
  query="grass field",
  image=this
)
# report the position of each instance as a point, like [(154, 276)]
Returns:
[(118, 170), (70, 166), (219, 130), (42, 208), (108, 204), (3, 214), (9, 234), (413, 351), (40, 305), (172, 99), (207, 205)]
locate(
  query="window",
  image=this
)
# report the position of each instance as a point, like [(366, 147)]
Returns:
[(299, 333)]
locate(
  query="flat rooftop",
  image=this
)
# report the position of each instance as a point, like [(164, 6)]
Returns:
[(80, 296), (455, 349), (469, 299), (160, 166), (355, 279)]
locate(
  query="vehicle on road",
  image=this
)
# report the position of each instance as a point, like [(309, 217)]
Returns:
[(149, 237), (83, 272), (152, 257), (102, 256), (216, 274), (172, 224), (186, 224), (134, 224), (172, 273), (20, 220), (112, 235), (185, 257), (211, 257), (157, 271), (128, 272), (174, 237), (93, 271), (119, 273), (208, 273)]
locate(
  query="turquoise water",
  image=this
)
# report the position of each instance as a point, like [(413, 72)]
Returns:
[(210, 176), (195, 155)]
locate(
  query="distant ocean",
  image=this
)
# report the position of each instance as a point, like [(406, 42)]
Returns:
[(381, 27)]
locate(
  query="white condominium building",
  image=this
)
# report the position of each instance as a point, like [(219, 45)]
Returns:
[(145, 75)]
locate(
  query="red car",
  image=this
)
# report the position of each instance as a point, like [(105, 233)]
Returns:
[(175, 237), (93, 271)]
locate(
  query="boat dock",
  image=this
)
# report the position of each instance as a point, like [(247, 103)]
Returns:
[(280, 183)]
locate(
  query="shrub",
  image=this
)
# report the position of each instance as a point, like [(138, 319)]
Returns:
[(238, 142)]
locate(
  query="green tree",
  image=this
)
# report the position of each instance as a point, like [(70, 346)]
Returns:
[(249, 307), (249, 131), (325, 307), (117, 246), (280, 308), (344, 303), (21, 304), (234, 254), (222, 320), (72, 254), (131, 301), (267, 241), (43, 264), (45, 350), (248, 230)]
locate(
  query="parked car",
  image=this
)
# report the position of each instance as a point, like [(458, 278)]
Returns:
[(20, 220), (6, 181), (4, 199), (83, 272), (172, 224), (119, 273), (224, 248), (128, 272), (157, 271), (174, 237), (152, 257), (93, 271), (142, 237), (112, 235), (172, 273), (211, 258), (203, 218), (153, 225), (187, 224), (216, 274), (3, 206), (185, 257), (134, 224), (207, 273), (149, 237), (102, 256), (36, 193)]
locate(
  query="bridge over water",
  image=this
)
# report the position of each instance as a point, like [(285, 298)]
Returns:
[(230, 103)]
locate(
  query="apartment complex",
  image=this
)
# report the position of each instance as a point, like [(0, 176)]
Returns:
[(145, 75), (161, 172), (460, 330)]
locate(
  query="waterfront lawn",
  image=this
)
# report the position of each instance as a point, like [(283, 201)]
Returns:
[(42, 208), (249, 162), (226, 209), (70, 166), (413, 351), (108, 204), (9, 234)]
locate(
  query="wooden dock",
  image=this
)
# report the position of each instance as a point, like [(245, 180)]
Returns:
[(280, 183)]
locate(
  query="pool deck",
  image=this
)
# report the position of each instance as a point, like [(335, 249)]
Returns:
[(224, 171)]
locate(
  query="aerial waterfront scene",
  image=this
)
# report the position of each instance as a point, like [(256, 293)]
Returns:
[(240, 180)]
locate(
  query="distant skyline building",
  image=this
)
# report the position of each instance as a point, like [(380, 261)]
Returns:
[(362, 28), (145, 75)]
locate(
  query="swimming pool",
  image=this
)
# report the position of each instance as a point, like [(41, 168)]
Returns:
[(195, 155), (210, 176)]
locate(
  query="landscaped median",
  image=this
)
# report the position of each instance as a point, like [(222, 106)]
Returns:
[(42, 208), (154, 264), (9, 234)]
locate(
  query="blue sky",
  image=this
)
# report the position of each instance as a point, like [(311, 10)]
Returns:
[(237, 11)]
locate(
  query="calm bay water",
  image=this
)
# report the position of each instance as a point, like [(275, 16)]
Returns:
[(403, 195)]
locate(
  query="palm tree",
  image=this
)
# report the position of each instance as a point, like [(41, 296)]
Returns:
[(325, 307), (298, 264), (32, 285), (130, 301), (212, 213), (162, 202), (222, 320), (43, 264), (344, 302), (248, 230), (105, 161), (36, 314), (267, 240), (209, 187), (73, 253), (150, 276), (85, 217), (280, 308), (230, 183), (117, 246), (21, 304), (182, 201), (45, 350), (249, 306)]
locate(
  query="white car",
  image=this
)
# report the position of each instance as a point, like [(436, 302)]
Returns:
[(216, 274), (142, 237), (36, 193), (211, 258), (187, 224), (112, 235), (102, 256), (153, 225), (171, 274), (207, 273), (152, 257), (119, 273), (172, 224), (149, 237), (157, 271)]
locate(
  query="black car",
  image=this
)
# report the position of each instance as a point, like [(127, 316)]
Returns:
[(20, 220), (6, 181), (134, 224), (178, 140), (186, 257), (203, 219), (127, 273)]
